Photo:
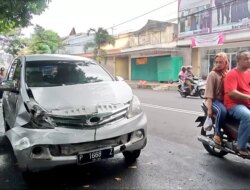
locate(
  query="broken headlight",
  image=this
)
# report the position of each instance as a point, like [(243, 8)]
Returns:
[(39, 118), (134, 107)]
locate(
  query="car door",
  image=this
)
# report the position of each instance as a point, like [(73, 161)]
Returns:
[(14, 74)]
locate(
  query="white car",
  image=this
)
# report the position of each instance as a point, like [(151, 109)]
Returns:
[(61, 109)]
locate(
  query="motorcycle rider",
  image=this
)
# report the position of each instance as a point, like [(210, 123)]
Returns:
[(214, 93), (237, 98), (181, 77), (189, 78)]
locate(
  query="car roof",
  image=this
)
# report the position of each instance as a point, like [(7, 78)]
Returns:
[(61, 57)]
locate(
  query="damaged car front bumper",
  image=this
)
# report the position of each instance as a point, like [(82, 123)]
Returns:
[(42, 149)]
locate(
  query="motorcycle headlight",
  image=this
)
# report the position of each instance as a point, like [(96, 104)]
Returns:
[(39, 118), (134, 107)]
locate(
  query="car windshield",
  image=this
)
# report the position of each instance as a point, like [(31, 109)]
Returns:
[(58, 73)]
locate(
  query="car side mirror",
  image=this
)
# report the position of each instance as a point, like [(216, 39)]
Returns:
[(9, 85), (118, 78)]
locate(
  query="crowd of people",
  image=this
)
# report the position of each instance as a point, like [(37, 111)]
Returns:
[(228, 94)]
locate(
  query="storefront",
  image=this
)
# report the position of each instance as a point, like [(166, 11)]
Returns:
[(208, 54), (209, 27), (158, 68)]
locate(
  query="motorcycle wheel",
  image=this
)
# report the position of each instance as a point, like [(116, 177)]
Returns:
[(202, 93), (183, 95), (210, 149)]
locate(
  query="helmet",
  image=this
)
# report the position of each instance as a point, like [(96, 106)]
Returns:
[(2, 69), (183, 67), (189, 67)]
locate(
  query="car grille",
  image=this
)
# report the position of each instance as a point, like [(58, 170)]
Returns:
[(74, 149), (86, 121)]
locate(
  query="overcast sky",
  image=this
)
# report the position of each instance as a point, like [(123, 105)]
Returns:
[(63, 15)]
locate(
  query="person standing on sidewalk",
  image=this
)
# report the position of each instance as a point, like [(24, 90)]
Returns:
[(237, 98), (214, 93)]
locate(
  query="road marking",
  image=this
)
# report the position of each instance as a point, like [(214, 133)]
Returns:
[(172, 109)]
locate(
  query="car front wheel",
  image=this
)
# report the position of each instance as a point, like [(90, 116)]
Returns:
[(131, 156)]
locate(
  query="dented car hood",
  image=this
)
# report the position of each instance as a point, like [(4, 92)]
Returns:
[(82, 96)]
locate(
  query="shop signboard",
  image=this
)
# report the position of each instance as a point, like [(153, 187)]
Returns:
[(212, 16)]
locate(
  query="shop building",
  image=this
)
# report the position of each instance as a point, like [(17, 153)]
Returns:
[(208, 28), (148, 54)]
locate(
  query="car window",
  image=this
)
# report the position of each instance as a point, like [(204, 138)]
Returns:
[(58, 73)]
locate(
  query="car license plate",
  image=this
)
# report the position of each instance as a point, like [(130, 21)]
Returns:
[(88, 157)]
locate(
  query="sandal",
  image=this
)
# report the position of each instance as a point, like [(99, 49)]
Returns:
[(217, 139), (244, 153)]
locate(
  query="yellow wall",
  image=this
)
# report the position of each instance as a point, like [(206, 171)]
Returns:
[(121, 41), (153, 37), (122, 67), (196, 61)]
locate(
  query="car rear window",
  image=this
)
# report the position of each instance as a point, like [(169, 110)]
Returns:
[(58, 73)]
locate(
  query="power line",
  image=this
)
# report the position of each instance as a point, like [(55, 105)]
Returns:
[(170, 20), (142, 15), (174, 19)]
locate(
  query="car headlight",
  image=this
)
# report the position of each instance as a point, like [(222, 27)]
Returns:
[(39, 118), (134, 107)]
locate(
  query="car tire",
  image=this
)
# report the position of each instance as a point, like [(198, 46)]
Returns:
[(131, 156)]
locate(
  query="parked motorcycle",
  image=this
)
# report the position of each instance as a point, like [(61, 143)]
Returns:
[(230, 132), (198, 86)]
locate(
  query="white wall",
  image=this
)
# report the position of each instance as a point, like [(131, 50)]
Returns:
[(75, 44)]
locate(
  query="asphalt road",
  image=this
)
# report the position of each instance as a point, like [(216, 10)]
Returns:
[(172, 159)]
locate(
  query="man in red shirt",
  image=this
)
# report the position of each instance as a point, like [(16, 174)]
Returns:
[(237, 98)]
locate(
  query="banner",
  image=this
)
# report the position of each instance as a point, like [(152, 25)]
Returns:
[(207, 40), (230, 15), (194, 17)]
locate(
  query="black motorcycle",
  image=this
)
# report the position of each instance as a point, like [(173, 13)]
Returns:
[(198, 86), (230, 132)]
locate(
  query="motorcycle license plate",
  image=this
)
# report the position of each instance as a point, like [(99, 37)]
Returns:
[(87, 157)]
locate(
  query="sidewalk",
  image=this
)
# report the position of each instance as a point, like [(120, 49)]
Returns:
[(153, 85)]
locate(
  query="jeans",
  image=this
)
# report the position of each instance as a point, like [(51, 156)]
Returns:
[(242, 113), (221, 113)]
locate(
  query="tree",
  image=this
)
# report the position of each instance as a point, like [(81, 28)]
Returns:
[(44, 41), (18, 13), (101, 38), (12, 42), (16, 45)]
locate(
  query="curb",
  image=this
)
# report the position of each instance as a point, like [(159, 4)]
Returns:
[(156, 87)]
